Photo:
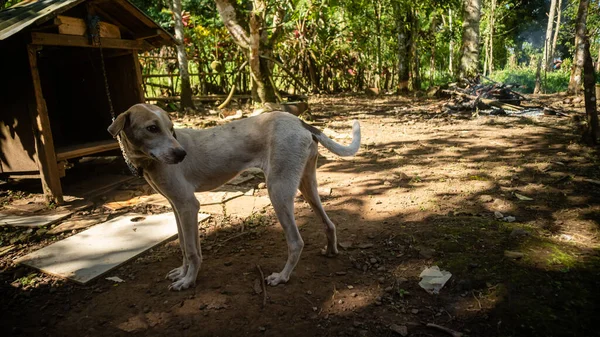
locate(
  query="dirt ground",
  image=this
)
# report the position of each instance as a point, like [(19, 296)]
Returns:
[(422, 191)]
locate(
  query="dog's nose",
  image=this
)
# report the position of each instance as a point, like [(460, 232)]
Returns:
[(179, 154)]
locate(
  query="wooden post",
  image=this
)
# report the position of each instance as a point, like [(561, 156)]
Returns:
[(44, 144), (138, 76)]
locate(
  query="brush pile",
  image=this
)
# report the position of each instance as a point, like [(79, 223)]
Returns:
[(475, 95)]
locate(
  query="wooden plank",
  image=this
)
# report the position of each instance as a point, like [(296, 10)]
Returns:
[(49, 39), (75, 26), (138, 78), (44, 144), (86, 149)]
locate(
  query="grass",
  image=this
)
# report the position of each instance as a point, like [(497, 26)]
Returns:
[(555, 81)]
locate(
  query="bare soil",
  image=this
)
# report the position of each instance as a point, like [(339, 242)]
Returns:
[(422, 191)]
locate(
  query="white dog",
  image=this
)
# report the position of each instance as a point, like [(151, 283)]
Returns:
[(177, 163)]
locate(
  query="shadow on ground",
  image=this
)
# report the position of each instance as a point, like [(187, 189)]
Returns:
[(417, 195)]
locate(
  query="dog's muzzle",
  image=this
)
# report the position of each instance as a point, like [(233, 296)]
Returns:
[(178, 155)]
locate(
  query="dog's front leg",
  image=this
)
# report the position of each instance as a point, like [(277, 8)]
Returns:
[(179, 272), (187, 211)]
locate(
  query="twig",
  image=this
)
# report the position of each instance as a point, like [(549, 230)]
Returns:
[(230, 238), (473, 293), (444, 329), (262, 283)]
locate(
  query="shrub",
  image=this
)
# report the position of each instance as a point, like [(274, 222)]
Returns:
[(552, 81)]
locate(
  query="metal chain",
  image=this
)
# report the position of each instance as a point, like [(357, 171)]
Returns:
[(95, 35)]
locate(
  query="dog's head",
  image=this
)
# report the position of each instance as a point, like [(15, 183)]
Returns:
[(149, 130)]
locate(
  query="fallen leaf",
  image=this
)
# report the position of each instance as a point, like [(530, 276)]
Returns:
[(522, 197)]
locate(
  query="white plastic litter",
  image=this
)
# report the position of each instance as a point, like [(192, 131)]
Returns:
[(433, 279), (115, 279)]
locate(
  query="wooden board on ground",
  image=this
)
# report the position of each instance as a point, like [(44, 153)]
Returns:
[(93, 252), (20, 217), (32, 220)]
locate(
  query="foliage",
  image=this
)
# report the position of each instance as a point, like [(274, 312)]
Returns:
[(555, 81)]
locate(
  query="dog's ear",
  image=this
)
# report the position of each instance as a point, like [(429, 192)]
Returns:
[(118, 124)]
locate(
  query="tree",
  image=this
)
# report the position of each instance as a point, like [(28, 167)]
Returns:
[(548, 40), (469, 60), (255, 41), (590, 133), (556, 30), (578, 57), (184, 74)]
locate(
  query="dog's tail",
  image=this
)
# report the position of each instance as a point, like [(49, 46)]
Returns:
[(334, 147)]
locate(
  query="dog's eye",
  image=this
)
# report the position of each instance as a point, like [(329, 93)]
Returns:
[(152, 128)]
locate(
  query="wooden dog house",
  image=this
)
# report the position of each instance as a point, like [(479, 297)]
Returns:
[(53, 101)]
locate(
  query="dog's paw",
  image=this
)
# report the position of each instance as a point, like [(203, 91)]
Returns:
[(177, 273), (275, 279), (182, 284)]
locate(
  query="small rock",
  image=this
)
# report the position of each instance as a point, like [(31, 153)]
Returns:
[(262, 329), (518, 232), (365, 245), (345, 245), (308, 292), (513, 255), (401, 280), (498, 215), (228, 263), (341, 273), (381, 279), (373, 260), (389, 289), (415, 311), (402, 330), (350, 287), (257, 286), (509, 218), (262, 185), (427, 253), (381, 269)]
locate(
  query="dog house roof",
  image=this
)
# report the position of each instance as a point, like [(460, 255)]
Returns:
[(132, 22)]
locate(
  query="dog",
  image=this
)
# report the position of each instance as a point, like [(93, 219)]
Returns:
[(178, 162)]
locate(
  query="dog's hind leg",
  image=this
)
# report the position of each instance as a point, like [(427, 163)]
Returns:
[(282, 190), (309, 189)]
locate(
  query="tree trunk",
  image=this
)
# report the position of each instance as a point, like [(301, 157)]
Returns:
[(548, 39), (580, 32), (377, 7), (590, 133), (491, 37), (184, 74), (538, 76), (255, 42), (450, 45), (598, 63), (469, 60), (486, 56), (259, 70), (556, 30), (402, 31), (432, 27), (415, 64)]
